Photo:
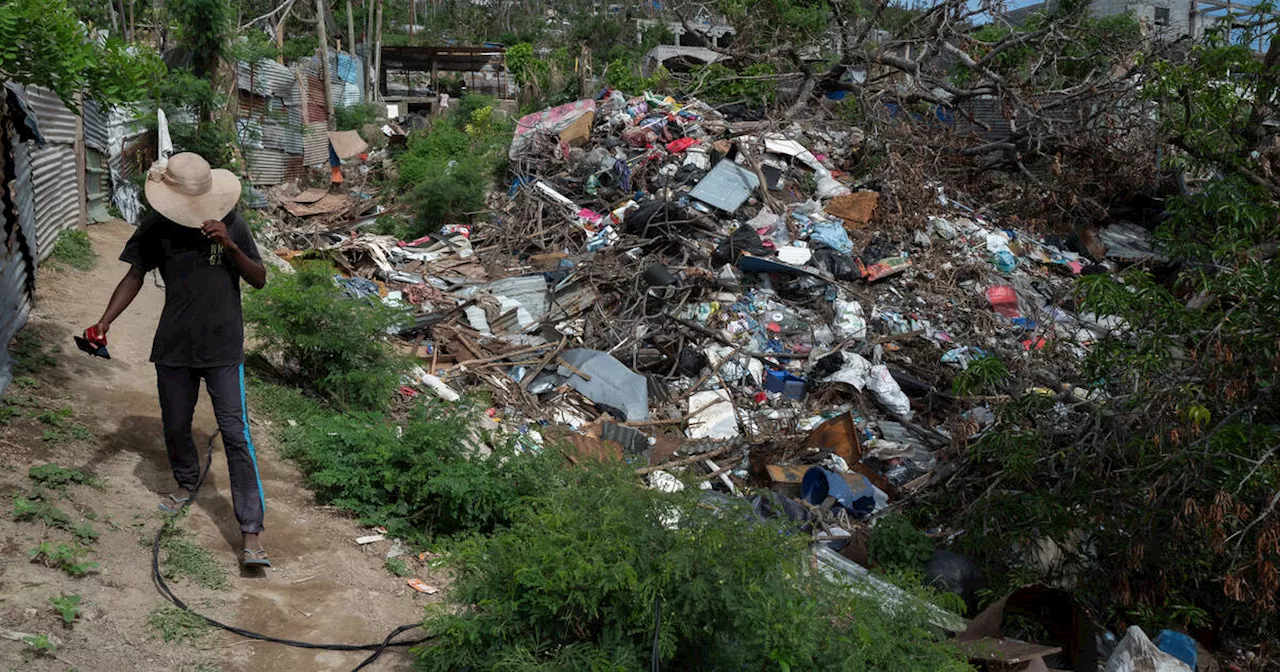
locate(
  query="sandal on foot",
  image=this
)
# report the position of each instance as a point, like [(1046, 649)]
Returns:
[(176, 505), (254, 558)]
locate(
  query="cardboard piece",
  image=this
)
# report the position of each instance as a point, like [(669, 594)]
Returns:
[(579, 132), (329, 204), (855, 209), (347, 144), (1069, 626)]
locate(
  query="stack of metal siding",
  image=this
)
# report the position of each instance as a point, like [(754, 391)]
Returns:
[(270, 122), (97, 177), (57, 194)]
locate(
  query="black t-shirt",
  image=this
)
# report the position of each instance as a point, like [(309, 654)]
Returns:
[(201, 324)]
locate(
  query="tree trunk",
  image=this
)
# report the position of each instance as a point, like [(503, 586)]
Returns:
[(111, 11), (377, 56), (367, 5), (413, 18), (351, 31), (324, 59)]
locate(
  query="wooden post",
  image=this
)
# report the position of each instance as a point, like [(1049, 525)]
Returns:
[(413, 18), (377, 56), (81, 183), (324, 59), (351, 31)]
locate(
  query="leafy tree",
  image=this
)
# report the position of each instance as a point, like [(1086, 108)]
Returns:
[(43, 42)]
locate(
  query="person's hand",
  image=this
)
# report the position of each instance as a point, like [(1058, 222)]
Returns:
[(217, 232), (99, 329)]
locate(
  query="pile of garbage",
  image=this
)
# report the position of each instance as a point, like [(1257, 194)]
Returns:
[(661, 278), (716, 298)]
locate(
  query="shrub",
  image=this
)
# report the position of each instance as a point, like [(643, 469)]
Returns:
[(420, 479), (590, 569), (356, 117), (448, 170), (337, 344), (896, 545)]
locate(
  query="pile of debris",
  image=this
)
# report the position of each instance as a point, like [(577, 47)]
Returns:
[(668, 285)]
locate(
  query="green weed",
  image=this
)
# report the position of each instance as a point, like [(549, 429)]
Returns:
[(55, 418), (41, 643), (184, 557), (31, 354), (26, 382), (64, 557), (419, 479), (895, 544), (58, 477), (177, 625), (983, 375), (67, 606), (34, 507), (397, 567), (74, 249), (85, 533)]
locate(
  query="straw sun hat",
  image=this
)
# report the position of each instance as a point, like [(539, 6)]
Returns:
[(186, 191)]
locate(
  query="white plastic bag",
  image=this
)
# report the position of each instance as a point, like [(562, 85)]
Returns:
[(849, 320), (1136, 653), (887, 392)]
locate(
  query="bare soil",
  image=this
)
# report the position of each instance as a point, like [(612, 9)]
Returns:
[(324, 587)]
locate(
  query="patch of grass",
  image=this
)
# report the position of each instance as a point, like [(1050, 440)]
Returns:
[(85, 533), (64, 557), (397, 567), (73, 248), (26, 382), (58, 478), (184, 557), (417, 476), (177, 625), (55, 418), (31, 354), (67, 606)]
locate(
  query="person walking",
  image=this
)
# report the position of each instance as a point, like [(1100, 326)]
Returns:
[(202, 249)]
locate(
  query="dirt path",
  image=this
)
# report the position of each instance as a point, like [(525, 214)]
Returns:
[(324, 587)]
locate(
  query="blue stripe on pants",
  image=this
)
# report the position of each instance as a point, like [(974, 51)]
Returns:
[(253, 455)]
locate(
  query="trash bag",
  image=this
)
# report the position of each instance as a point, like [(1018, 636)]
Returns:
[(744, 239), (652, 218), (1136, 653), (954, 573), (840, 266), (691, 361)]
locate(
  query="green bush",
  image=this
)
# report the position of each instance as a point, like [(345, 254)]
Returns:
[(337, 344), (356, 117), (896, 545), (416, 476), (449, 169), (580, 578)]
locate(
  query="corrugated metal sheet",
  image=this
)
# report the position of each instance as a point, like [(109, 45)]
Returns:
[(315, 142), (57, 123), (17, 225), (95, 126), (316, 110), (56, 194), (268, 78), (269, 167)]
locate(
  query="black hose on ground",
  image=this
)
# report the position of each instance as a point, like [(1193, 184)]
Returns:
[(377, 648)]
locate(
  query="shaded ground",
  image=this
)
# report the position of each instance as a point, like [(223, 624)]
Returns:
[(324, 588)]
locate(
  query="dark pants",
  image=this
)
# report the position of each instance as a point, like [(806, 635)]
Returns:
[(179, 390)]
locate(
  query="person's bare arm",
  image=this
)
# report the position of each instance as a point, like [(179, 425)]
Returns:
[(120, 298), (252, 271)]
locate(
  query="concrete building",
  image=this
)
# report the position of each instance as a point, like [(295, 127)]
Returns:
[(1166, 20)]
